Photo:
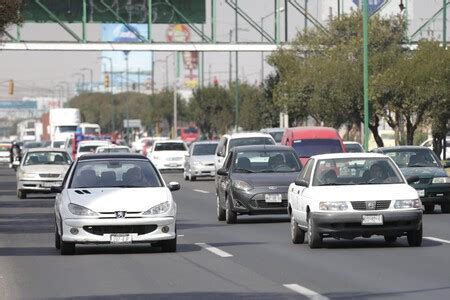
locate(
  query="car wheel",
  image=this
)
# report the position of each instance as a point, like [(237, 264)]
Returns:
[(429, 208), (314, 238), (21, 194), (445, 208), (230, 215), (66, 248), (169, 245), (57, 238), (297, 235), (220, 210), (390, 239), (185, 176), (192, 178), (415, 237)]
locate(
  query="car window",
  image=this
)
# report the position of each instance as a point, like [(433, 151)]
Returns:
[(277, 136), (115, 173), (66, 176), (204, 149), (306, 171), (170, 147), (414, 158), (353, 148), (47, 158), (228, 161), (264, 161), (310, 147), (250, 141), (88, 148)]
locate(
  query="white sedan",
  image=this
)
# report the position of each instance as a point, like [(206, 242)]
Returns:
[(115, 199), (345, 196), (168, 154)]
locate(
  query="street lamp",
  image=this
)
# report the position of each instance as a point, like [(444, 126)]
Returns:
[(67, 85), (82, 79), (91, 76)]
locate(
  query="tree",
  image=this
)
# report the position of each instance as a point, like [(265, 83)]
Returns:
[(269, 110), (10, 13)]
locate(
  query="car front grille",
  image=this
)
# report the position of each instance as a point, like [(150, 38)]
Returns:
[(139, 229), (49, 175), (363, 205)]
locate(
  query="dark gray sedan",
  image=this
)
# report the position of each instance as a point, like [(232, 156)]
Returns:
[(254, 180)]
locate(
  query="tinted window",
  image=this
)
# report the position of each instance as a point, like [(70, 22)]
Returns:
[(266, 162), (58, 144), (204, 149), (413, 157), (277, 136), (250, 141), (88, 148), (310, 147), (47, 158), (353, 148), (31, 145), (170, 147), (115, 173), (91, 130), (63, 129)]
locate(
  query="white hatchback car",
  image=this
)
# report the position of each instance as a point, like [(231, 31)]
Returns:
[(168, 154), (348, 195), (114, 199)]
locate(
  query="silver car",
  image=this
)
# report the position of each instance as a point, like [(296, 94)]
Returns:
[(41, 169), (200, 161)]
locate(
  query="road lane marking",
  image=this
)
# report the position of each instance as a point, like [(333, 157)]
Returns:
[(304, 291), (437, 240), (201, 191), (180, 235), (214, 250)]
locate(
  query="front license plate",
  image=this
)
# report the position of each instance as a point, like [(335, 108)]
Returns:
[(120, 239), (421, 193), (273, 198), (173, 165), (372, 220), (50, 184)]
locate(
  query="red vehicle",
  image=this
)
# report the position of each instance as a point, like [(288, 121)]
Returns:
[(309, 141), (188, 134)]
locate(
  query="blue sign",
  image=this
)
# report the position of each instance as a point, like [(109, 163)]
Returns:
[(13, 105), (374, 5)]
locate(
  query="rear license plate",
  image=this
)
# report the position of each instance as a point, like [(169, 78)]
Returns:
[(120, 239), (372, 220), (273, 198), (421, 193), (50, 184)]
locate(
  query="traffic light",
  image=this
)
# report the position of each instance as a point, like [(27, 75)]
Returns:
[(11, 87), (106, 80)]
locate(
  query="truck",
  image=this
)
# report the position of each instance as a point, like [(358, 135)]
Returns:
[(90, 129), (63, 123)]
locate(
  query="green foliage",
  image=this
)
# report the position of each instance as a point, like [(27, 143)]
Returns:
[(10, 13)]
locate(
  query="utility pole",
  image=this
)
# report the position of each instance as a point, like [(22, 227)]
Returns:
[(111, 87), (126, 96), (444, 25), (366, 72), (176, 63), (91, 74), (236, 122), (230, 54)]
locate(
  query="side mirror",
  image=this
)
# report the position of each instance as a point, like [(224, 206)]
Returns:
[(222, 172), (412, 179), (174, 186), (301, 182), (221, 154), (56, 189), (447, 164)]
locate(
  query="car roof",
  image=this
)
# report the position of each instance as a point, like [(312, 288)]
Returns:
[(351, 143), (348, 155), (46, 150), (94, 142), (274, 129), (401, 148), (96, 156), (240, 135), (113, 146), (168, 141), (263, 148), (314, 132), (205, 142)]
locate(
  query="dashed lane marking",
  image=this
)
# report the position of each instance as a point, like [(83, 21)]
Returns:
[(310, 294), (214, 250), (436, 239), (201, 191)]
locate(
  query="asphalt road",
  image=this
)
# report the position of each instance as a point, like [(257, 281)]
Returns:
[(253, 259)]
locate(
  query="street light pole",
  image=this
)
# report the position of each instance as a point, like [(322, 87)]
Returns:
[(91, 73), (111, 87), (82, 80), (366, 71), (444, 25), (126, 97)]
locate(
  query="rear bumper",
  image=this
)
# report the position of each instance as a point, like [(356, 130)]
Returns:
[(37, 185), (205, 171), (434, 193)]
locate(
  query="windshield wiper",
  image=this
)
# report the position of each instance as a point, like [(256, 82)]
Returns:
[(267, 171), (336, 183), (126, 186), (244, 170)]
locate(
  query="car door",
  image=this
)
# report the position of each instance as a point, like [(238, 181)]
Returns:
[(223, 181), (298, 198)]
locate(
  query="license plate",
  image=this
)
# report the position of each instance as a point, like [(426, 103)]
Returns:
[(50, 184), (273, 198), (372, 220), (120, 239), (173, 165), (421, 193)]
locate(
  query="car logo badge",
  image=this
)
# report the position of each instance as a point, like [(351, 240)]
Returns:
[(371, 205), (121, 214), (272, 187)]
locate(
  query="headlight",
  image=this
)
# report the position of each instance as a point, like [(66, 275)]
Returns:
[(79, 210), (416, 203), (242, 185), (197, 163), (334, 206), (441, 180), (158, 209), (30, 175)]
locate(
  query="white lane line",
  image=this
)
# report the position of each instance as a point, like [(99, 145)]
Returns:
[(437, 240), (304, 291), (214, 250), (201, 191), (180, 235)]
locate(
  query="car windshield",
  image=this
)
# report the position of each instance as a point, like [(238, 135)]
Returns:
[(266, 162), (250, 141), (88, 148), (91, 130), (58, 144), (115, 173), (63, 129), (353, 148), (413, 158), (170, 147), (113, 150), (310, 147), (277, 136), (204, 149), (47, 158), (356, 171), (31, 145)]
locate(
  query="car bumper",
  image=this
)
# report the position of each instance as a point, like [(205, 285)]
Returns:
[(169, 165), (5, 160), (203, 171), (255, 204), (434, 193), (86, 227), (37, 185), (394, 223)]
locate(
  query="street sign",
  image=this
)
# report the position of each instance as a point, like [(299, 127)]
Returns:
[(132, 123), (373, 4)]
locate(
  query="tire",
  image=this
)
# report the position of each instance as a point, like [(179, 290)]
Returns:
[(169, 245), (390, 239), (297, 235), (314, 238), (185, 176), (445, 208), (230, 215), (57, 238), (415, 237), (429, 208), (220, 210), (192, 178), (21, 194), (66, 248)]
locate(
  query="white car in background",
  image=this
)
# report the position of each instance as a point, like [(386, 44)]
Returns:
[(90, 146), (429, 144), (115, 199), (5, 152), (348, 195), (168, 154), (113, 149), (200, 160)]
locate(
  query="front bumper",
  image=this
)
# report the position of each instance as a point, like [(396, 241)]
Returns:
[(43, 186), (5, 160), (434, 193), (394, 222), (203, 171), (85, 229), (169, 165), (254, 203)]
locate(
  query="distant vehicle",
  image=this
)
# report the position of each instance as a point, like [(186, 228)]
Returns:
[(348, 195), (46, 144), (30, 145), (145, 142), (168, 154), (188, 134), (309, 141), (429, 144), (115, 199), (5, 149), (63, 123), (200, 160), (113, 149), (255, 180), (228, 141), (57, 144), (276, 133), (353, 147), (121, 142), (433, 184), (85, 147), (90, 129), (41, 169)]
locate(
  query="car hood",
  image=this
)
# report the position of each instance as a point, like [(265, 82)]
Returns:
[(424, 172), (167, 154), (369, 192), (47, 169), (120, 199), (266, 179), (205, 159)]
